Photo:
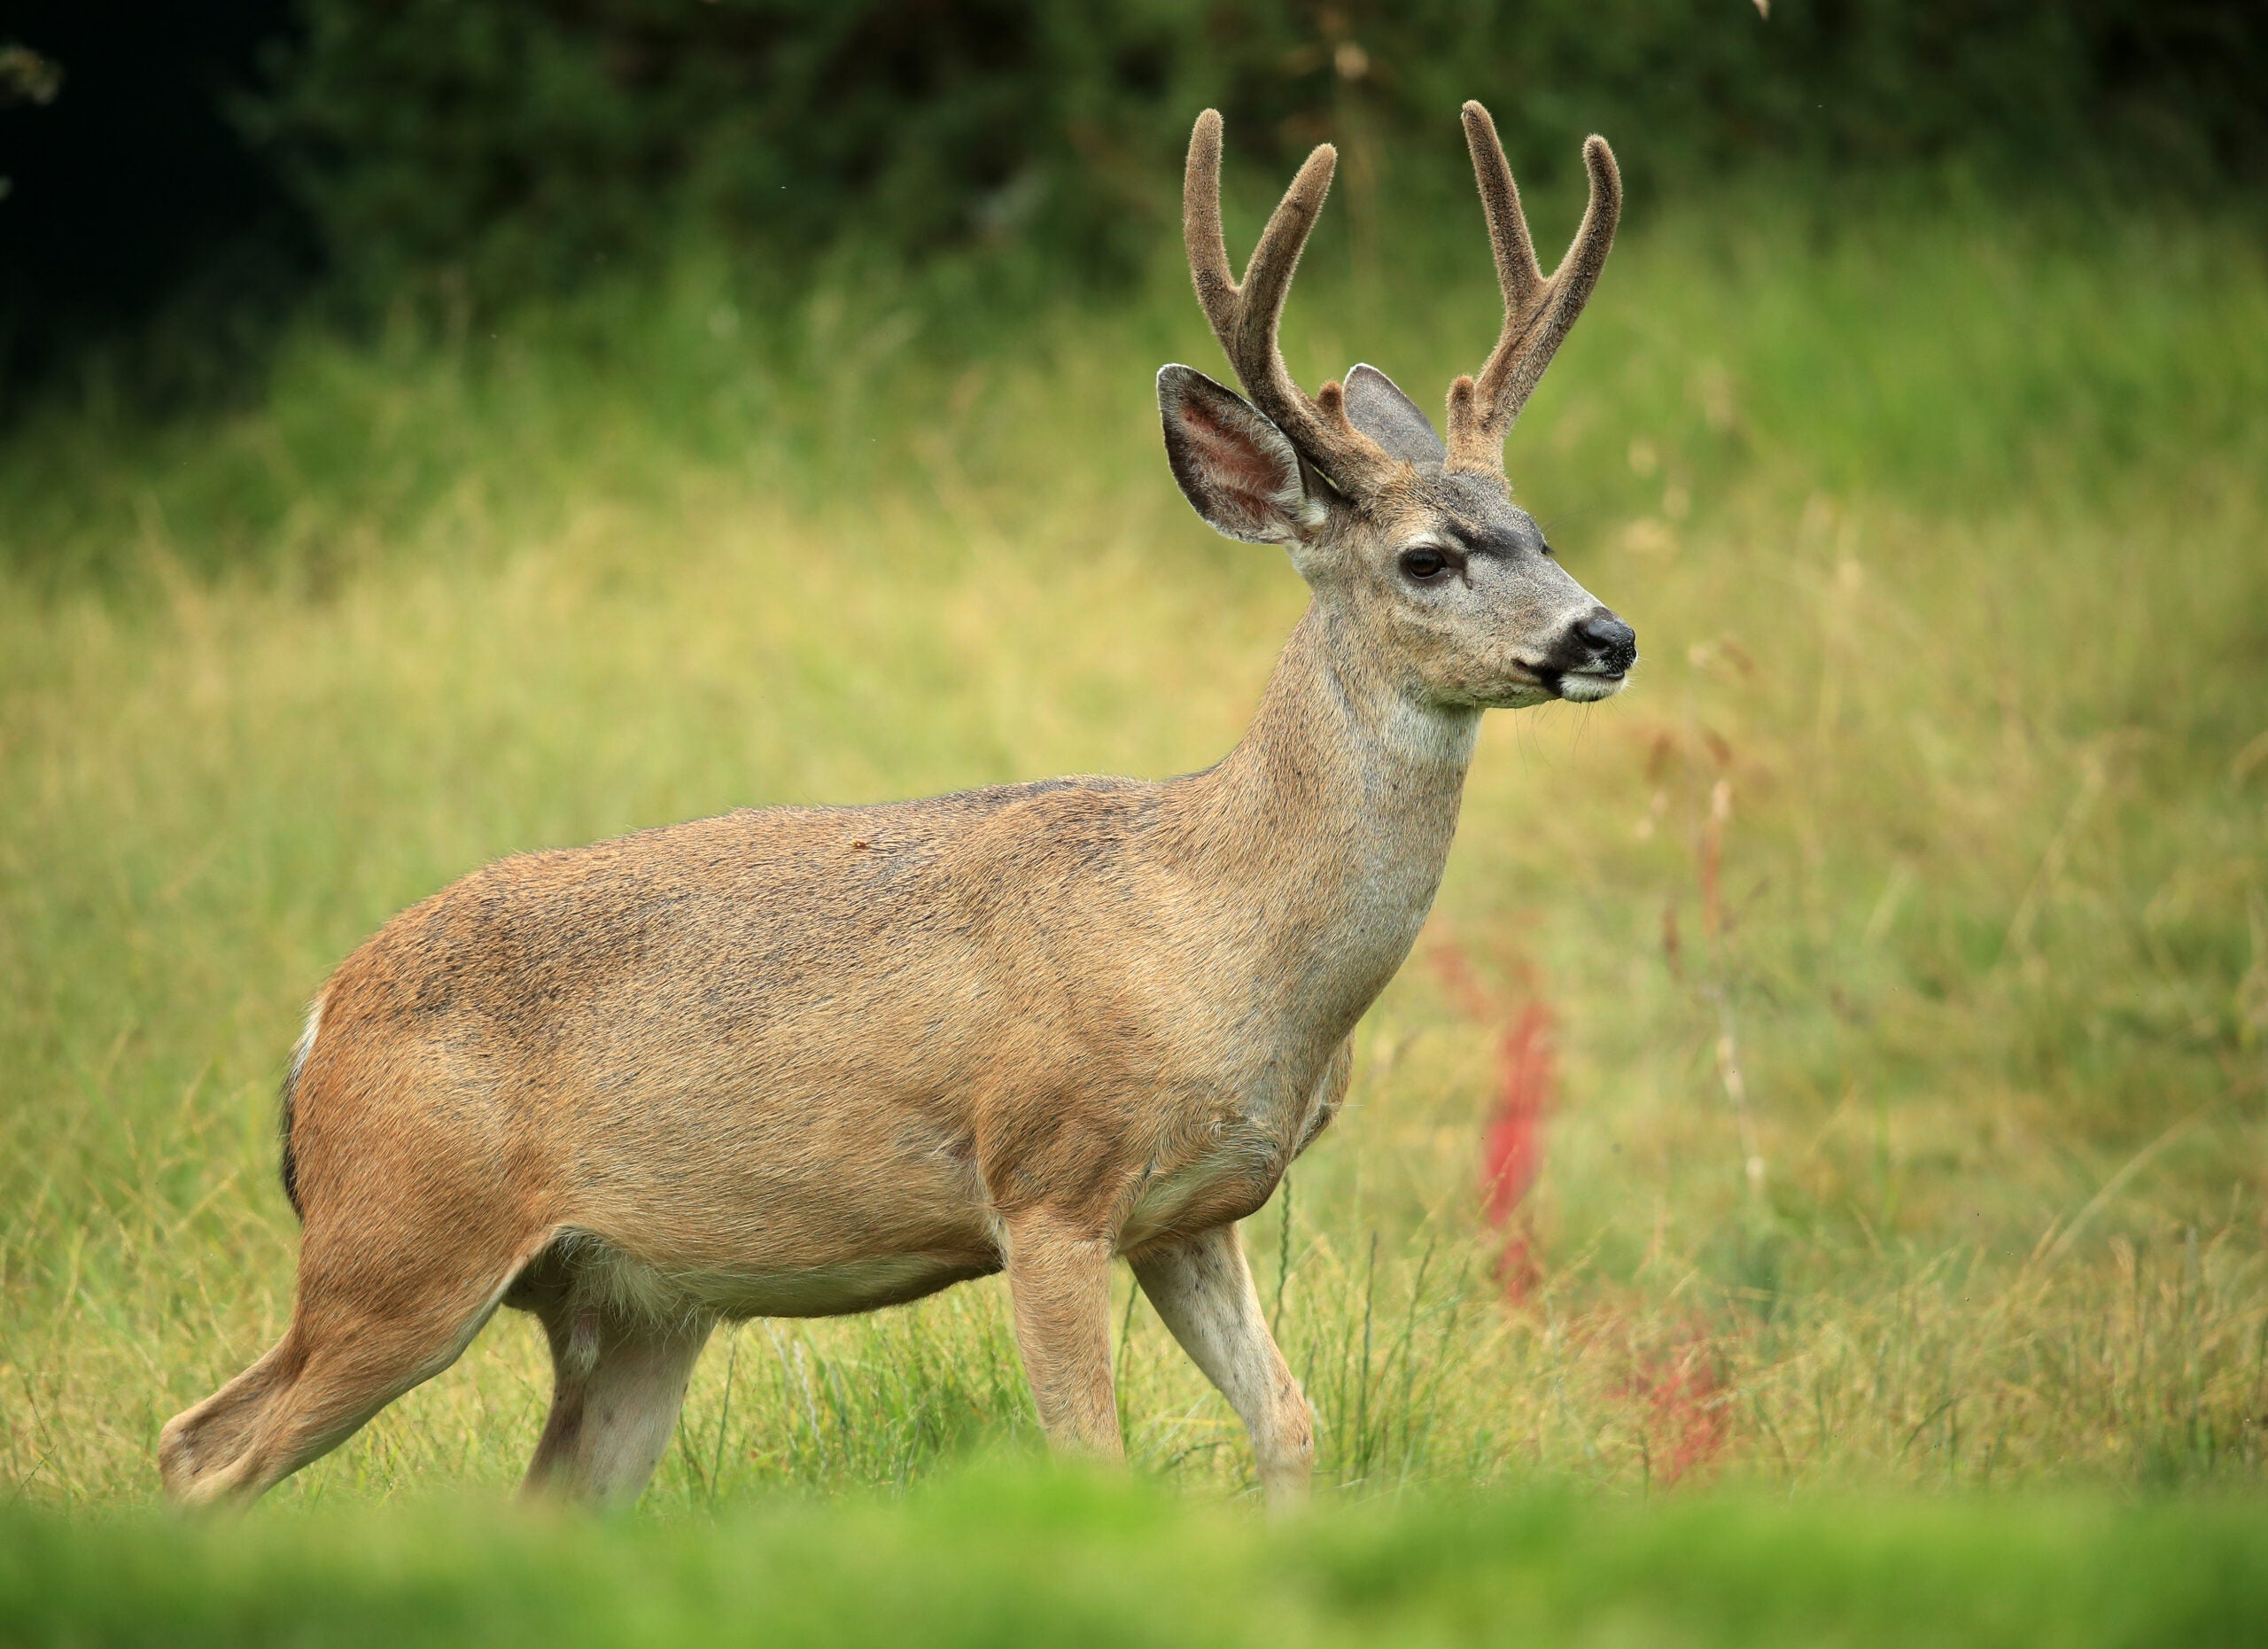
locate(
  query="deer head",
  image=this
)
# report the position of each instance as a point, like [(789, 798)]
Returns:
[(1415, 541)]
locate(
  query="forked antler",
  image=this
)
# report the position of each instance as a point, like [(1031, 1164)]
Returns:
[(1538, 309), (1244, 314)]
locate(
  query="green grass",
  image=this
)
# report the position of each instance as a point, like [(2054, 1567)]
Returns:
[(1933, 826), (1005, 1557)]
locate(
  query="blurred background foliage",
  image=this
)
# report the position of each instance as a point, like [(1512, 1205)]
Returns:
[(196, 172)]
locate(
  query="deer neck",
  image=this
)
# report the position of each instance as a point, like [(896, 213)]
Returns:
[(1335, 815)]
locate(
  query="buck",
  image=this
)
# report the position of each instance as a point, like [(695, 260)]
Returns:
[(805, 1061)]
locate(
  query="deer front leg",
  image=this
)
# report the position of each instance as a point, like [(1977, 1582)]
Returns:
[(1202, 1288), (1059, 1280)]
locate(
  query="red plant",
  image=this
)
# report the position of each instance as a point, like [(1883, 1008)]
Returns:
[(1511, 1139), (1511, 1147), (1688, 1428)]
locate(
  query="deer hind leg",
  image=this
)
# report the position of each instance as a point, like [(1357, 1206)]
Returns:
[(1058, 1284), (1202, 1289), (201, 1442), (372, 1319), (618, 1381)]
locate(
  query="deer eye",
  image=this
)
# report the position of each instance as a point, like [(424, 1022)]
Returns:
[(1424, 564)]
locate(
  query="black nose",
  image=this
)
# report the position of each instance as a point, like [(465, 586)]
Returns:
[(1614, 643)]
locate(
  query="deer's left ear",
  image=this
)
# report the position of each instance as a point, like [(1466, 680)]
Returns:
[(1375, 406), (1236, 468)]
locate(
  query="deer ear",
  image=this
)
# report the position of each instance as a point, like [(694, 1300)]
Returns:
[(1236, 468), (1378, 408)]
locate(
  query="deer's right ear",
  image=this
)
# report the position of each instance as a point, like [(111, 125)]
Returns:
[(1236, 468)]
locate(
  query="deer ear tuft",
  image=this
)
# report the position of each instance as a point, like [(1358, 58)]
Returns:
[(1236, 468)]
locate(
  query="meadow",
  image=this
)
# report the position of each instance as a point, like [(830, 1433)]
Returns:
[(1878, 991)]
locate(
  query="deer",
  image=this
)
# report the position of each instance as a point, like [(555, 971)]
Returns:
[(805, 1061)]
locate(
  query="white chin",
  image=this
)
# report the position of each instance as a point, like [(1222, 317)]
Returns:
[(1588, 689)]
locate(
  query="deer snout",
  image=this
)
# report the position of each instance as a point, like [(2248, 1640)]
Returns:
[(1610, 646), (1591, 658)]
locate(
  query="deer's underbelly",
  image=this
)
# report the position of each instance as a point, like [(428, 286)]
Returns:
[(609, 1275)]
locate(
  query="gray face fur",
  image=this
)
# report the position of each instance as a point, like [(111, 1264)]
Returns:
[(1449, 584)]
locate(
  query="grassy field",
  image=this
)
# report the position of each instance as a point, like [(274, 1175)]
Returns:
[(1884, 979), (999, 1556)]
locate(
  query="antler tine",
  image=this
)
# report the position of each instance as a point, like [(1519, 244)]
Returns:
[(1244, 314), (1201, 227), (1518, 273), (1538, 309)]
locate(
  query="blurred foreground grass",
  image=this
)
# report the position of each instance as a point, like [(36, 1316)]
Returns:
[(1001, 1558), (1904, 929)]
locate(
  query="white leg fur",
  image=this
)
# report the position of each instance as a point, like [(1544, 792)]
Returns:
[(1202, 1289)]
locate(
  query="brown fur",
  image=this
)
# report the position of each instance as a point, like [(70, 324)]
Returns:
[(804, 1061)]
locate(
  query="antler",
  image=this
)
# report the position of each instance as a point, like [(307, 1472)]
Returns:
[(1244, 314), (1538, 310)]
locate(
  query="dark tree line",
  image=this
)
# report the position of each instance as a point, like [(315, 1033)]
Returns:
[(214, 160)]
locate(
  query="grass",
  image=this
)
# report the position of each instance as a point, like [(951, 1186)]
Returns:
[(1904, 931), (1001, 1557)]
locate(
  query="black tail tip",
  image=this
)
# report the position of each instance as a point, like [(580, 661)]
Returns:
[(289, 1167)]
